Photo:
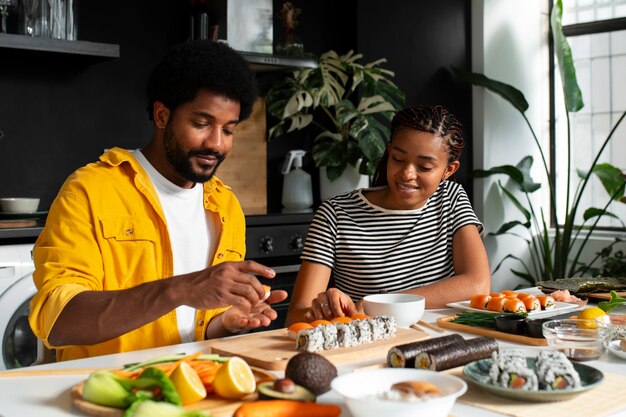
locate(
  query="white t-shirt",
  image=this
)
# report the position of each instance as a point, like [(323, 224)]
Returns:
[(191, 230)]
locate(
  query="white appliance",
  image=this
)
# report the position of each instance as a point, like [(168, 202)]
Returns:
[(20, 347)]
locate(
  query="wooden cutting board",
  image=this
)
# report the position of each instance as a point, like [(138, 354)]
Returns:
[(482, 331), (273, 349), (218, 407)]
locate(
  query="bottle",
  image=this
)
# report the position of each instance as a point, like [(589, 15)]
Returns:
[(297, 193)]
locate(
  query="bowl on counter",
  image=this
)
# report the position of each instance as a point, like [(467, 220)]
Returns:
[(363, 392), (19, 205), (407, 309), (579, 340), (613, 326)]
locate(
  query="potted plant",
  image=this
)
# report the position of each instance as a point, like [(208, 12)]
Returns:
[(349, 104), (551, 257)]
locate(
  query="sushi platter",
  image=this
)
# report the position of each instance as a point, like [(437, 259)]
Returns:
[(478, 373), (273, 349), (559, 308)]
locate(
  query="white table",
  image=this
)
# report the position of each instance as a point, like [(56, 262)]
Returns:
[(33, 396)]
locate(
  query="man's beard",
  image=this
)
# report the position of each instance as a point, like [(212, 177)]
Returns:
[(180, 160)]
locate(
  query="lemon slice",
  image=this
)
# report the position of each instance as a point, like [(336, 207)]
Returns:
[(188, 384), (234, 379), (589, 314)]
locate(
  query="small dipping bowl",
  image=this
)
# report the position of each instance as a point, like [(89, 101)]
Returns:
[(613, 326), (511, 323), (534, 328), (579, 340)]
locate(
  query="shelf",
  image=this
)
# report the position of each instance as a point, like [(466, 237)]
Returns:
[(106, 50), (264, 62)]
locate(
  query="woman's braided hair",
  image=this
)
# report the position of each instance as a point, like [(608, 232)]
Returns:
[(432, 119)]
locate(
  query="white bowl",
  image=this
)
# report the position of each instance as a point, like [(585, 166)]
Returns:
[(19, 205), (407, 309), (358, 387)]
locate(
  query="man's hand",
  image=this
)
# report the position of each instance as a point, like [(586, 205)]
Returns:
[(236, 320), (228, 283), (330, 304)]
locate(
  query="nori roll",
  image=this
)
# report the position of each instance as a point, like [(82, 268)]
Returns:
[(403, 356), (457, 354), (310, 340)]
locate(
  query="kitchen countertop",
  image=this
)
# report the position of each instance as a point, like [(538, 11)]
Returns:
[(49, 395)]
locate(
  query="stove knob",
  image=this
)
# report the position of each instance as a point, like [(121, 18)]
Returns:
[(267, 245), (296, 243)]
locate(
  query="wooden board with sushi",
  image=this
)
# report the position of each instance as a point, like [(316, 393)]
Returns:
[(590, 287), (272, 349)]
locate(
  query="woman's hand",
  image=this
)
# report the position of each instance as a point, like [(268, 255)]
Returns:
[(330, 304)]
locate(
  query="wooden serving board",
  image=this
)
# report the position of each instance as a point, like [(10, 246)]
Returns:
[(218, 407), (273, 349), (482, 331)]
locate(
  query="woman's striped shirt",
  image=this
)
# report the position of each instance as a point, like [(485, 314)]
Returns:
[(371, 249)]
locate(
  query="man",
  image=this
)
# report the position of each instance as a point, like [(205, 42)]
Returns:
[(147, 248)]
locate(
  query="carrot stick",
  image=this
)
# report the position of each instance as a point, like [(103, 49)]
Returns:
[(286, 408), (185, 359)]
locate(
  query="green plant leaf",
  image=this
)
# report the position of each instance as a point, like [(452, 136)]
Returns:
[(509, 170), (516, 203), (597, 212), (508, 226), (571, 92), (525, 276), (299, 100), (611, 178), (506, 91)]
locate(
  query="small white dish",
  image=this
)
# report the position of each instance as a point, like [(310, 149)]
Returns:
[(19, 205), (407, 309), (615, 349), (359, 390)]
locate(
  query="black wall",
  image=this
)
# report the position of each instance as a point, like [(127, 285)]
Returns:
[(59, 111)]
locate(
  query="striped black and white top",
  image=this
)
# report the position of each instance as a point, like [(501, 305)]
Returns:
[(371, 249)]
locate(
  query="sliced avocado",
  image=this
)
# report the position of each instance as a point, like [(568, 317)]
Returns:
[(267, 391), (312, 371)]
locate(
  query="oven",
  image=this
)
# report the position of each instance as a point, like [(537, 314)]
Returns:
[(277, 241)]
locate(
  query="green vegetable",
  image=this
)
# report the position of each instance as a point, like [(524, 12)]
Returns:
[(105, 388), (171, 358), (615, 301), (159, 409), (155, 378), (480, 319)]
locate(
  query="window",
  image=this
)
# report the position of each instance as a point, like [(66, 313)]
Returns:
[(596, 32)]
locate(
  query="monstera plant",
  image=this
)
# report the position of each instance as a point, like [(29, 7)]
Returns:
[(348, 103), (552, 255)]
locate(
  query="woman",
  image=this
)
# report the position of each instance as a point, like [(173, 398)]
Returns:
[(413, 232)]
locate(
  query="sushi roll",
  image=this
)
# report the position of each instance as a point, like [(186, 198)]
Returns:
[(531, 303), (389, 325), (310, 340), (496, 304), (457, 354), (509, 369), (329, 332), (496, 295), (363, 331), (514, 305), (480, 301), (403, 356), (346, 335), (556, 372), (294, 329), (378, 328), (509, 293), (547, 302)]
